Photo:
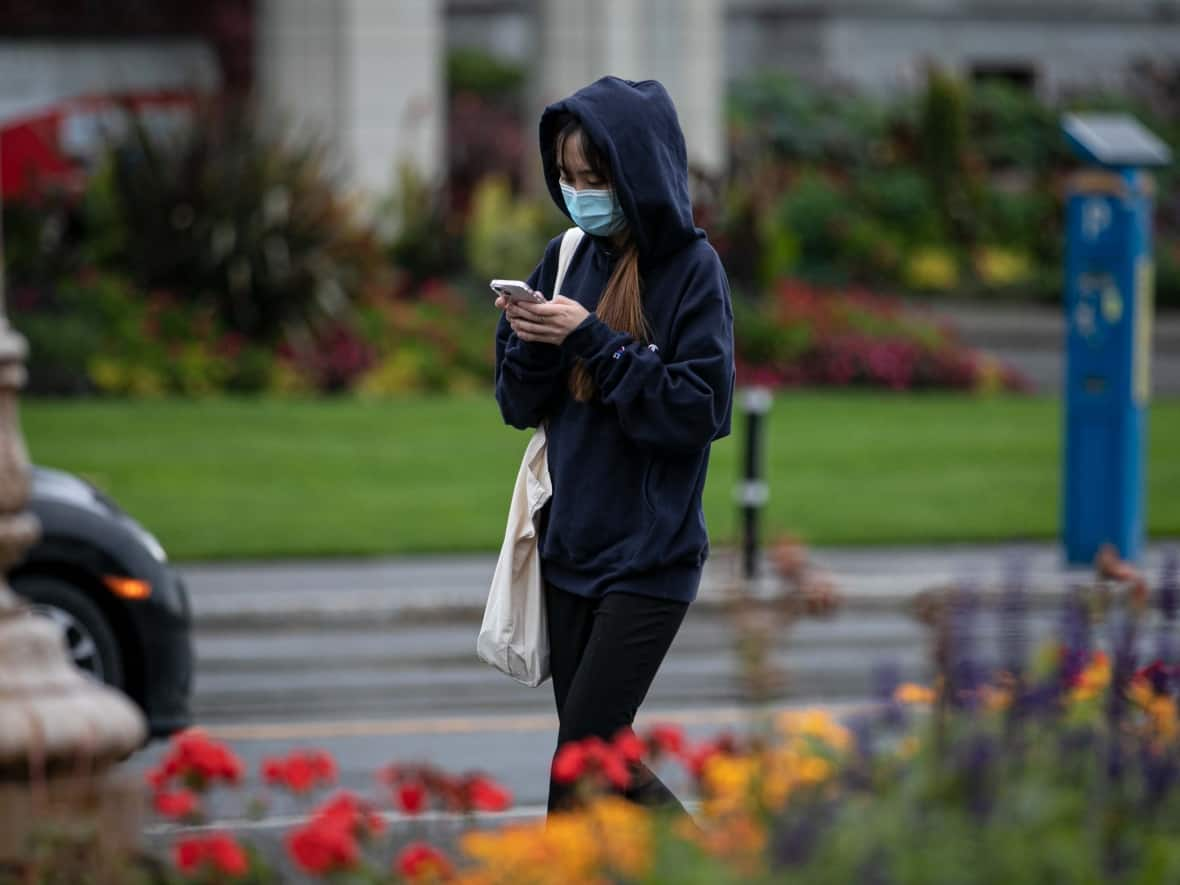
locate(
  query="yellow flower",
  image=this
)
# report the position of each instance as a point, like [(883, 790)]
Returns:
[(1140, 692), (995, 699), (818, 724), (814, 770), (727, 781), (624, 833), (563, 850), (740, 840), (932, 268), (1162, 711), (912, 693)]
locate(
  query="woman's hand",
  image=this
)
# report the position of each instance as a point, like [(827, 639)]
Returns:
[(548, 323)]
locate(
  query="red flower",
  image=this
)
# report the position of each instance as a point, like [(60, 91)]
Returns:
[(227, 855), (570, 763), (199, 760), (629, 746), (351, 813), (323, 846), (300, 771), (486, 795), (323, 765), (411, 797), (615, 770), (421, 861), (220, 850), (576, 759), (667, 739), (176, 804), (188, 854), (274, 772), (299, 774)]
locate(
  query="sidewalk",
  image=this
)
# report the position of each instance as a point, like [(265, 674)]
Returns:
[(452, 588), (1031, 337)]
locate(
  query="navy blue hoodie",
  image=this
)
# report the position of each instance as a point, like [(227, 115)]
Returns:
[(628, 466)]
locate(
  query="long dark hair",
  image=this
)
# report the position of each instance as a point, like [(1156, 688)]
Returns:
[(621, 304)]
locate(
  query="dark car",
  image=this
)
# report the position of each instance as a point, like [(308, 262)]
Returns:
[(106, 580)]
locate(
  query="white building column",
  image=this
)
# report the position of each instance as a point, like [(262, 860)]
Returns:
[(367, 74), (678, 42)]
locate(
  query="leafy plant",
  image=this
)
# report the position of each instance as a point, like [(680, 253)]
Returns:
[(234, 214)]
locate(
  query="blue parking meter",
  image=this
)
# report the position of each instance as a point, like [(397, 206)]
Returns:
[(1108, 314)]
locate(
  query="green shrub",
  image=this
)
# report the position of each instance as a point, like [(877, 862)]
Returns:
[(1010, 128), (900, 198), (414, 222), (793, 120), (506, 235), (235, 215), (806, 230), (486, 75)]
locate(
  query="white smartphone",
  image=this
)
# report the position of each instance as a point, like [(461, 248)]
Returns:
[(515, 290)]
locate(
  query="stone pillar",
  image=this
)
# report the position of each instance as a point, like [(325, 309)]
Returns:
[(367, 74), (678, 42)]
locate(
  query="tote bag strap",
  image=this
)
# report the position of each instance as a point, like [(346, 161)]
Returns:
[(569, 245)]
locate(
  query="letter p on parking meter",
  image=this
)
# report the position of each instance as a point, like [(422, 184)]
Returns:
[(1108, 314)]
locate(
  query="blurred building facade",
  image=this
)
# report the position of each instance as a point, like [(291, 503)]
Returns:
[(370, 73)]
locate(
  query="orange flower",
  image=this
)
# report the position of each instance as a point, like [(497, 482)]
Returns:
[(912, 693)]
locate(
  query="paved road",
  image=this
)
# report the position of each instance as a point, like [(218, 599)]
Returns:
[(414, 692)]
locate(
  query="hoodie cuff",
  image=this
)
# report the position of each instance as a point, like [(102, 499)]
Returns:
[(537, 353), (591, 338)]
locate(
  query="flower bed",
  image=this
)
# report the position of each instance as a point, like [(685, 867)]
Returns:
[(803, 335), (1061, 768)]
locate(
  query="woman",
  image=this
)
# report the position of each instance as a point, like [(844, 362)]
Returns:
[(631, 366)]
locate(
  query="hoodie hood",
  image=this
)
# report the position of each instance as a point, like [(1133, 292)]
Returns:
[(633, 125)]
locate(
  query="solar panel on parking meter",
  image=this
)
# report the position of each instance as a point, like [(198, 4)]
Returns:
[(1108, 311)]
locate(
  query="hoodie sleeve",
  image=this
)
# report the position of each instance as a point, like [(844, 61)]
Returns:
[(529, 374), (676, 402)]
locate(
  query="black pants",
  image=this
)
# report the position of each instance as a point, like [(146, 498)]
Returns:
[(604, 654)]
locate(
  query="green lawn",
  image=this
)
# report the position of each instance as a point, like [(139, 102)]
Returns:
[(270, 478)]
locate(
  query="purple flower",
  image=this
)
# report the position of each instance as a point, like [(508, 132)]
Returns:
[(1159, 773), (977, 761), (1075, 636), (1169, 592), (886, 678), (1013, 610), (1124, 666), (966, 675), (1167, 599)]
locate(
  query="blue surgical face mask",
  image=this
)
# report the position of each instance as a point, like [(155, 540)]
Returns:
[(597, 212)]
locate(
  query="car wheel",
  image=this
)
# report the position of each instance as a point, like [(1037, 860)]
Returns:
[(90, 641)]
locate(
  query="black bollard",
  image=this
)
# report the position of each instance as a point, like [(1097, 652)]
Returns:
[(752, 491)]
